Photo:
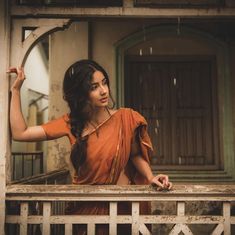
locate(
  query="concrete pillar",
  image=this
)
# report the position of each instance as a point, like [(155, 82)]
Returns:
[(4, 146), (66, 47)]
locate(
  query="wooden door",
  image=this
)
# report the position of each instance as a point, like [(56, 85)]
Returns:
[(177, 97)]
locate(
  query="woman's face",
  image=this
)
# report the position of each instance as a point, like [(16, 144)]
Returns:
[(99, 93)]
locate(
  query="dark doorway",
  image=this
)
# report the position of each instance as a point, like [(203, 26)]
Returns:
[(177, 96)]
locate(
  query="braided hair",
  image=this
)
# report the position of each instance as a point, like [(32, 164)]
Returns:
[(76, 88)]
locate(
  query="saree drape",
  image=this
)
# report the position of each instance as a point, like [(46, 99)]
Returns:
[(108, 154)]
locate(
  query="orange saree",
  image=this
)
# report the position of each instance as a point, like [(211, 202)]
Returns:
[(108, 155)]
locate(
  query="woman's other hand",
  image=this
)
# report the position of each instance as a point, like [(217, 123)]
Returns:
[(161, 182), (19, 71)]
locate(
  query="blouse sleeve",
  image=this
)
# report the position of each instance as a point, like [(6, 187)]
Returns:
[(141, 135), (56, 128), (142, 144)]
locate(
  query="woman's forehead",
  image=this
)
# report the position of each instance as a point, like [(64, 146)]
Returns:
[(97, 76)]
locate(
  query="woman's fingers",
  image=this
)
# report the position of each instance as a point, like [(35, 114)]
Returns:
[(165, 180), (162, 182), (20, 77), (20, 72), (12, 70), (170, 185), (157, 182)]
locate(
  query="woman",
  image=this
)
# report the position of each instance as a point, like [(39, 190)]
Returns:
[(108, 146)]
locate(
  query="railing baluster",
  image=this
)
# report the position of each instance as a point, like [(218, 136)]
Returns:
[(41, 161), (32, 162), (91, 229), (180, 212), (218, 230), (14, 167), (113, 215), (180, 208), (144, 230), (226, 214), (68, 229), (135, 218), (24, 208), (176, 229), (46, 218), (22, 169)]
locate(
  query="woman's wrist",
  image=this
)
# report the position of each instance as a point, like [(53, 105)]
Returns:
[(150, 178), (15, 90)]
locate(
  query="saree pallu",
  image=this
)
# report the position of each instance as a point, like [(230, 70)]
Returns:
[(108, 155)]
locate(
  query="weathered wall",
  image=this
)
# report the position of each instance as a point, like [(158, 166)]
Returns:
[(66, 47), (4, 117)]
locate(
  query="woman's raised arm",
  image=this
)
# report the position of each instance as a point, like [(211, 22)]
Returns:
[(20, 130)]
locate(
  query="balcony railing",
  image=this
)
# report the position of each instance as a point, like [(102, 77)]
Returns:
[(24, 195), (27, 164), (60, 176)]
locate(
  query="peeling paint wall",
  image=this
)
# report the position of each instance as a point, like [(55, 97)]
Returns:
[(66, 47)]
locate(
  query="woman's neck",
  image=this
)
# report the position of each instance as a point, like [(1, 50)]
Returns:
[(99, 115)]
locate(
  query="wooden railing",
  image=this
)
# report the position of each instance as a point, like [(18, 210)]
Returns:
[(19, 164), (53, 177), (180, 221)]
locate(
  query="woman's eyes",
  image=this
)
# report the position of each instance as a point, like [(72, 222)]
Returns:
[(105, 82), (95, 86)]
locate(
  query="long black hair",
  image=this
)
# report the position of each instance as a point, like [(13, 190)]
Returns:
[(76, 88)]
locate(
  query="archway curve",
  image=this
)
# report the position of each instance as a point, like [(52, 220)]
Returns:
[(40, 32), (222, 72), (160, 31)]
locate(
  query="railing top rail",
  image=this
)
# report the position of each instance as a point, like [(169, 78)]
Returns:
[(120, 193), (42, 177), (27, 153)]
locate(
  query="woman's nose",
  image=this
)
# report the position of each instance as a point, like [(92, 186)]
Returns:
[(103, 90)]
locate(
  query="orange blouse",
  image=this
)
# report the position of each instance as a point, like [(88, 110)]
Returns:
[(108, 147)]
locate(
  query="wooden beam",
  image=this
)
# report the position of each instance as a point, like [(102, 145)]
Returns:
[(179, 3), (120, 12)]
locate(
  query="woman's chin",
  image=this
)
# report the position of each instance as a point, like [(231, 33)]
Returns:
[(101, 105)]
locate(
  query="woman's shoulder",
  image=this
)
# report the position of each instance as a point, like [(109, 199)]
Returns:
[(128, 111), (131, 114)]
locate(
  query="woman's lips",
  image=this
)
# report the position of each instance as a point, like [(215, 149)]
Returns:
[(104, 100)]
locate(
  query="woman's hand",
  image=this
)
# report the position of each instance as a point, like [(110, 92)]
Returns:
[(16, 86), (161, 182)]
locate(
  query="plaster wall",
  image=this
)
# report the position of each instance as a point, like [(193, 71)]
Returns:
[(4, 130), (66, 47), (104, 36)]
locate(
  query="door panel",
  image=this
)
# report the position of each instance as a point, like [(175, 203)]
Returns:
[(176, 99)]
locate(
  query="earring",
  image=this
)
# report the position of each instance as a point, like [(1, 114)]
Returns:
[(111, 103)]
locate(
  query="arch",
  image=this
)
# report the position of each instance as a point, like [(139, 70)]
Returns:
[(40, 32), (222, 71), (21, 49)]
